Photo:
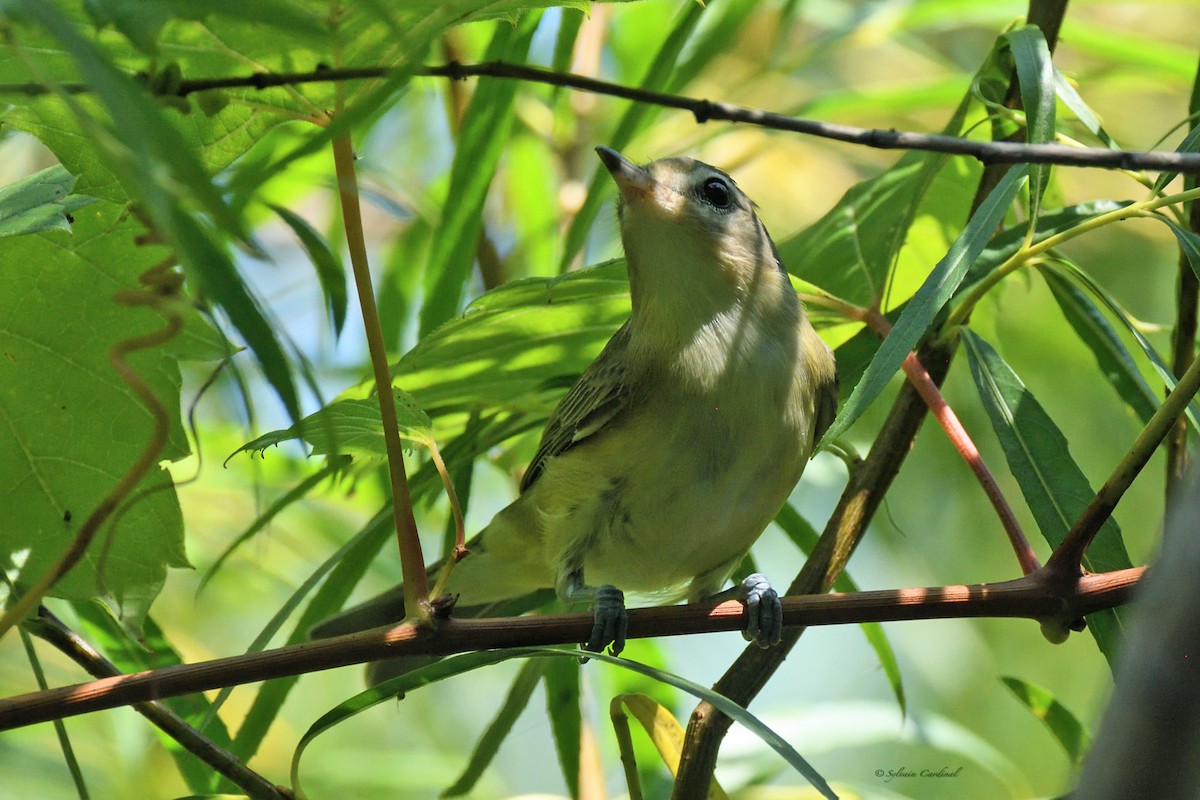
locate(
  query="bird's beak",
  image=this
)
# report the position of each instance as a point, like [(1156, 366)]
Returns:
[(632, 181)]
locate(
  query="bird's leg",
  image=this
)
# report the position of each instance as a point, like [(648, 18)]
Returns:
[(608, 606), (764, 609)]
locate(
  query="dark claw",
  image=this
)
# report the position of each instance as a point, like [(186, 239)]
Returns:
[(612, 621), (764, 612)]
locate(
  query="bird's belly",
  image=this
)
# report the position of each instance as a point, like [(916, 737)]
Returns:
[(685, 506)]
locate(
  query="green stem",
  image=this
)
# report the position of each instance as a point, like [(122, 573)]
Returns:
[(412, 562), (1026, 254)]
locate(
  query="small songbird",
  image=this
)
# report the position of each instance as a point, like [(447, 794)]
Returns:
[(678, 445)]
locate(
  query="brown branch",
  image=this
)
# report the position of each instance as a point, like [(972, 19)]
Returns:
[(918, 376), (703, 111), (1067, 559), (53, 631), (1031, 596)]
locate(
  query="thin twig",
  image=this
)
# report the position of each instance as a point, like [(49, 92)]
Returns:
[(162, 284), (55, 632), (702, 110), (950, 423), (1031, 596)]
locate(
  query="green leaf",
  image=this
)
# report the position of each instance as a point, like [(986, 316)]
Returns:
[(1189, 242), (70, 426), (349, 426), (1068, 270), (1190, 144), (40, 202), (543, 331), (566, 716), (804, 536), (460, 664), (154, 651), (330, 271), (501, 725), (1110, 352), (481, 141), (1035, 73), (928, 301), (1066, 729), (1053, 485)]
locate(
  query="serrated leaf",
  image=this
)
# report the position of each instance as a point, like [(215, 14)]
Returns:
[(1055, 488), (498, 729), (350, 426), (71, 427), (1066, 729), (928, 301), (1035, 73), (330, 271), (1109, 351), (40, 202)]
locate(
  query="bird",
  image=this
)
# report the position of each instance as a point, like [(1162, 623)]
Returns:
[(677, 446)]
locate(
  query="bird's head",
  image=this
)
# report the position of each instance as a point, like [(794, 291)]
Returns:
[(695, 248)]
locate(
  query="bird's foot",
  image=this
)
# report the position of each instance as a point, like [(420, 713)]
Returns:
[(764, 611), (612, 621)]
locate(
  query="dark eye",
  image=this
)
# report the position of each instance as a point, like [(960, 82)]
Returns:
[(716, 192)]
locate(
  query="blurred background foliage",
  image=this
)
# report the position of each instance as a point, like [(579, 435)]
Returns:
[(471, 185)]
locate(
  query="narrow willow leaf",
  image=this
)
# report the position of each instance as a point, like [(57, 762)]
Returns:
[(1074, 273), (1008, 242), (853, 249), (484, 134), (501, 725), (1190, 144), (1055, 488), (1082, 111), (1035, 73), (330, 271), (1064, 726), (804, 536), (928, 301), (1189, 242), (40, 202), (566, 717), (349, 426), (458, 665), (1110, 352)]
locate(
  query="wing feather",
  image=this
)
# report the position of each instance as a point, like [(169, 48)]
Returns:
[(601, 393)]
